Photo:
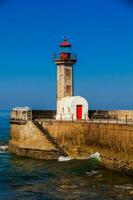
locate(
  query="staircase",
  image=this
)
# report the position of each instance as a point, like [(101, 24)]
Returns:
[(52, 140)]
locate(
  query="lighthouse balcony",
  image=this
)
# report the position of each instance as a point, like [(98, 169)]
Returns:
[(65, 57)]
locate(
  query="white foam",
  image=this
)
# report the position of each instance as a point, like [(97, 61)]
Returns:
[(91, 173), (127, 187), (3, 148), (96, 156), (63, 158)]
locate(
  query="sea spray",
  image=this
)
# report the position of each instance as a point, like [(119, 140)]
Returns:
[(3, 148), (63, 158), (93, 156)]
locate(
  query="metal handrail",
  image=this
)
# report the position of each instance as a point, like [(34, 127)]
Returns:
[(72, 57)]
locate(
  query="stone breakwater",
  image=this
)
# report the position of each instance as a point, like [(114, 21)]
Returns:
[(34, 153), (113, 142)]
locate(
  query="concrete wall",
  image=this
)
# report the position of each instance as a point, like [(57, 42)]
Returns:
[(121, 114), (28, 136), (114, 142)]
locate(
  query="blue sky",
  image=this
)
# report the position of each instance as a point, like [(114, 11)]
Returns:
[(101, 33)]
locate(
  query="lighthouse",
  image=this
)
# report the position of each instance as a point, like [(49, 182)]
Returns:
[(65, 61), (69, 107)]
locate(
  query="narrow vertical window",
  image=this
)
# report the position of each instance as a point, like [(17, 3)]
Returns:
[(68, 89)]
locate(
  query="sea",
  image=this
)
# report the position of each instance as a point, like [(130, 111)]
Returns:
[(30, 179)]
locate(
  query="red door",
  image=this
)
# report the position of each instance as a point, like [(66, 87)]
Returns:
[(79, 112)]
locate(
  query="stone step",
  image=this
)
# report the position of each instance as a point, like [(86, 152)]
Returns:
[(53, 141)]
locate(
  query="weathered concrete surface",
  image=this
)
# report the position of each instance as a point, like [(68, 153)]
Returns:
[(121, 114), (34, 153), (27, 140), (114, 142)]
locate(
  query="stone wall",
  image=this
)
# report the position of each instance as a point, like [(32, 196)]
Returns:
[(27, 140), (121, 114), (114, 142)]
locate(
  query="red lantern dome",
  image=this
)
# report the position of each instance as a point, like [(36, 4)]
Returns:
[(65, 54), (65, 43)]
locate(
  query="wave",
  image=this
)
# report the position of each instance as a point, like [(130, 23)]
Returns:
[(93, 156), (3, 148), (63, 158)]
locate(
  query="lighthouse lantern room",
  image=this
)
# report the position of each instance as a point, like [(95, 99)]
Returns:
[(65, 50)]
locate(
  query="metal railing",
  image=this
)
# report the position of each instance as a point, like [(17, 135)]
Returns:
[(43, 114), (57, 57), (93, 117), (117, 119), (71, 118)]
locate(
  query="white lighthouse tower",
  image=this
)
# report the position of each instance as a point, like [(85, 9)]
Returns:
[(69, 107)]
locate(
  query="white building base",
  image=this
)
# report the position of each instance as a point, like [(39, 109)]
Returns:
[(72, 109)]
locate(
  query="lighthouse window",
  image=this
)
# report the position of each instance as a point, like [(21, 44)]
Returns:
[(68, 88), (68, 72)]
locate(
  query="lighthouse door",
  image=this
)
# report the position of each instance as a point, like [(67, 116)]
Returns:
[(79, 112)]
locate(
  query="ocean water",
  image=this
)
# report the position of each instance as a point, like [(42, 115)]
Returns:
[(29, 179)]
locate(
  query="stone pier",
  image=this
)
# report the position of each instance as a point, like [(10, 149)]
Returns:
[(114, 142)]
